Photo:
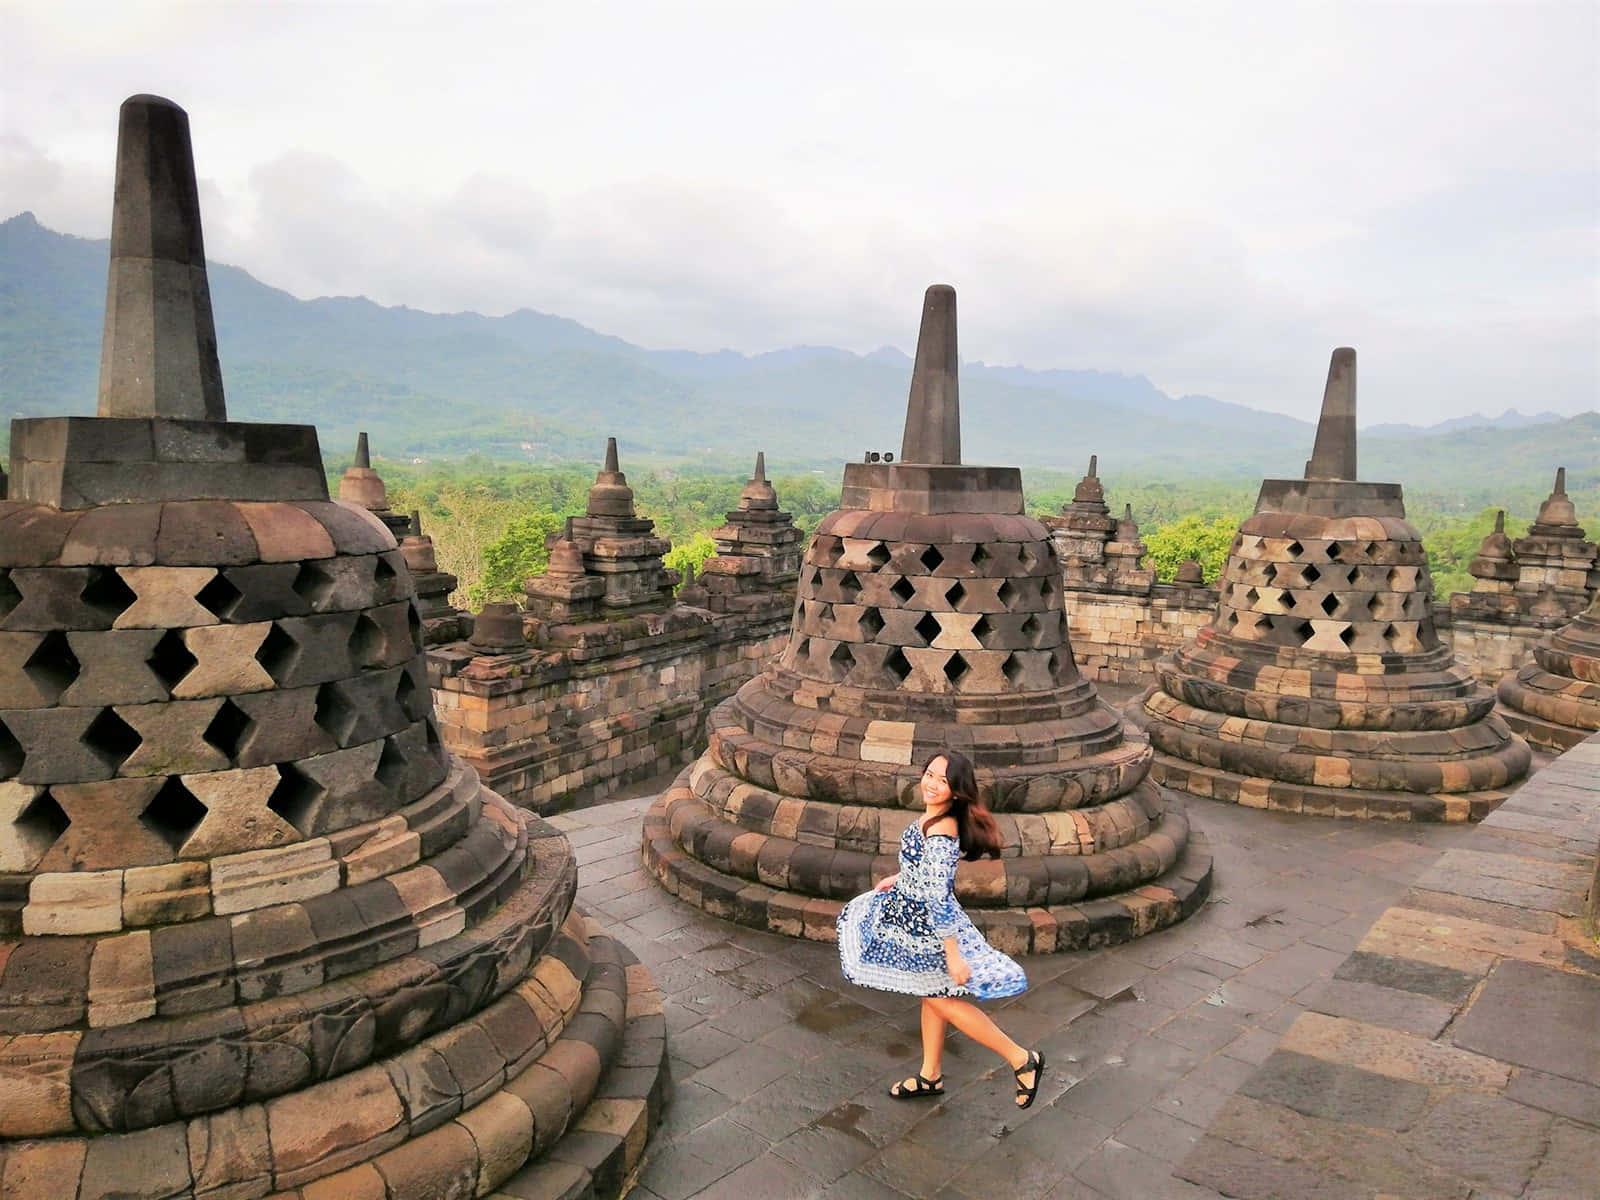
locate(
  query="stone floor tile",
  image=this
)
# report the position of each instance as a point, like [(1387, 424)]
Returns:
[(1484, 1139), (826, 1151), (768, 1177), (745, 1071), (1159, 1135), (722, 1142), (1335, 1092), (673, 1173)]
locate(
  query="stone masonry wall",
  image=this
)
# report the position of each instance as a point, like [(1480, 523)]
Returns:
[(550, 729), (1490, 650), (1117, 639)]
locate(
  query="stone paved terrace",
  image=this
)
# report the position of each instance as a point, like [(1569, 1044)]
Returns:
[(779, 1065)]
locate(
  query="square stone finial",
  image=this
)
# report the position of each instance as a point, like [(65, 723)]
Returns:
[(1334, 454), (933, 410), (158, 357)]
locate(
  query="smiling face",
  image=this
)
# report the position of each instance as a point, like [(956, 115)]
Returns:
[(935, 788)]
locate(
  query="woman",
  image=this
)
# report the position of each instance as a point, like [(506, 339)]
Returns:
[(909, 935)]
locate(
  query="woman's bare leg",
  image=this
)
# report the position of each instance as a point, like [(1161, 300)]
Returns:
[(933, 1028), (980, 1027)]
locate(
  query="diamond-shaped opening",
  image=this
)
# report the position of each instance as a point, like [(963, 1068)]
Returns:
[(896, 664), (903, 589), (1347, 635), (383, 570), (840, 662), (981, 556), (1233, 619), (11, 754), (1305, 631), (1251, 596), (392, 766), (277, 653), (227, 728), (1334, 551), (1353, 574), (1310, 573), (313, 584), (42, 821), (52, 666), (1053, 663), (1394, 577), (1006, 593), (1269, 572), (1011, 668), (294, 797), (1047, 590), (955, 667), (335, 715), (10, 597), (1330, 603), (981, 628), (829, 551), (366, 642), (878, 555), (1286, 600), (955, 594), (802, 648), (1296, 549), (414, 624), (932, 559), (928, 628), (171, 660), (408, 696), (1374, 604), (1031, 627), (870, 623), (219, 596), (849, 587), (107, 592), (110, 738), (1370, 549), (1389, 634), (173, 813)]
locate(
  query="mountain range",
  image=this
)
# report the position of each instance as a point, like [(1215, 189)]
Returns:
[(541, 388)]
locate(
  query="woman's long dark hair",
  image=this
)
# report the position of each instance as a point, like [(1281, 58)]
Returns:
[(975, 824)]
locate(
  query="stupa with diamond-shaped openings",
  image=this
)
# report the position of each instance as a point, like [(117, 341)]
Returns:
[(259, 931), (928, 617), (1321, 685)]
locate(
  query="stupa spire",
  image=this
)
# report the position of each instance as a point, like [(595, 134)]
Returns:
[(158, 356), (611, 456), (761, 467), (933, 410), (1334, 455), (363, 452)]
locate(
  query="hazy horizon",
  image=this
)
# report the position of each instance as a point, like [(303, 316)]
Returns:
[(1210, 198)]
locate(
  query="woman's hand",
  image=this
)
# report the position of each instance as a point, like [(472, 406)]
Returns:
[(960, 972), (883, 885)]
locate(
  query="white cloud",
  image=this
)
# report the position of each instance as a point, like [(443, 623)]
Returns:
[(1211, 195)]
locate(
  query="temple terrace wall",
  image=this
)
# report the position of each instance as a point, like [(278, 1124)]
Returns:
[(1117, 638), (555, 729)]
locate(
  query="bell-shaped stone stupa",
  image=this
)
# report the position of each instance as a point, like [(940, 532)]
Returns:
[(928, 617), (1321, 685), (259, 932), (1554, 701)]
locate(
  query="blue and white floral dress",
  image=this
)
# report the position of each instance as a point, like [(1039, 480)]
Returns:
[(894, 940)]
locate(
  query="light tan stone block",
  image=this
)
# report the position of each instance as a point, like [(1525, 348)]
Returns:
[(285, 533), (170, 892), (889, 741), (36, 1084), (502, 1127), (1393, 1053), (73, 902), (225, 661), (122, 983), (240, 882), (166, 597), (229, 1154), (21, 846), (333, 1125)]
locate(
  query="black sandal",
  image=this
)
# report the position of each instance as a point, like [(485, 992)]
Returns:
[(1035, 1063), (923, 1089)]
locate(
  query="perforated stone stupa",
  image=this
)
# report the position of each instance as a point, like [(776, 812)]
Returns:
[(259, 933), (928, 616), (1554, 701), (1321, 685)]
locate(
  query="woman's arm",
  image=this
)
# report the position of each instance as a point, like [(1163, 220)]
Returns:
[(954, 963)]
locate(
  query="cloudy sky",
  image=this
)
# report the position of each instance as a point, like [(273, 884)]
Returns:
[(1213, 195)]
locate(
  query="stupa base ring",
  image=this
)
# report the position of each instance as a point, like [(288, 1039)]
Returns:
[(1215, 783), (1046, 929)]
